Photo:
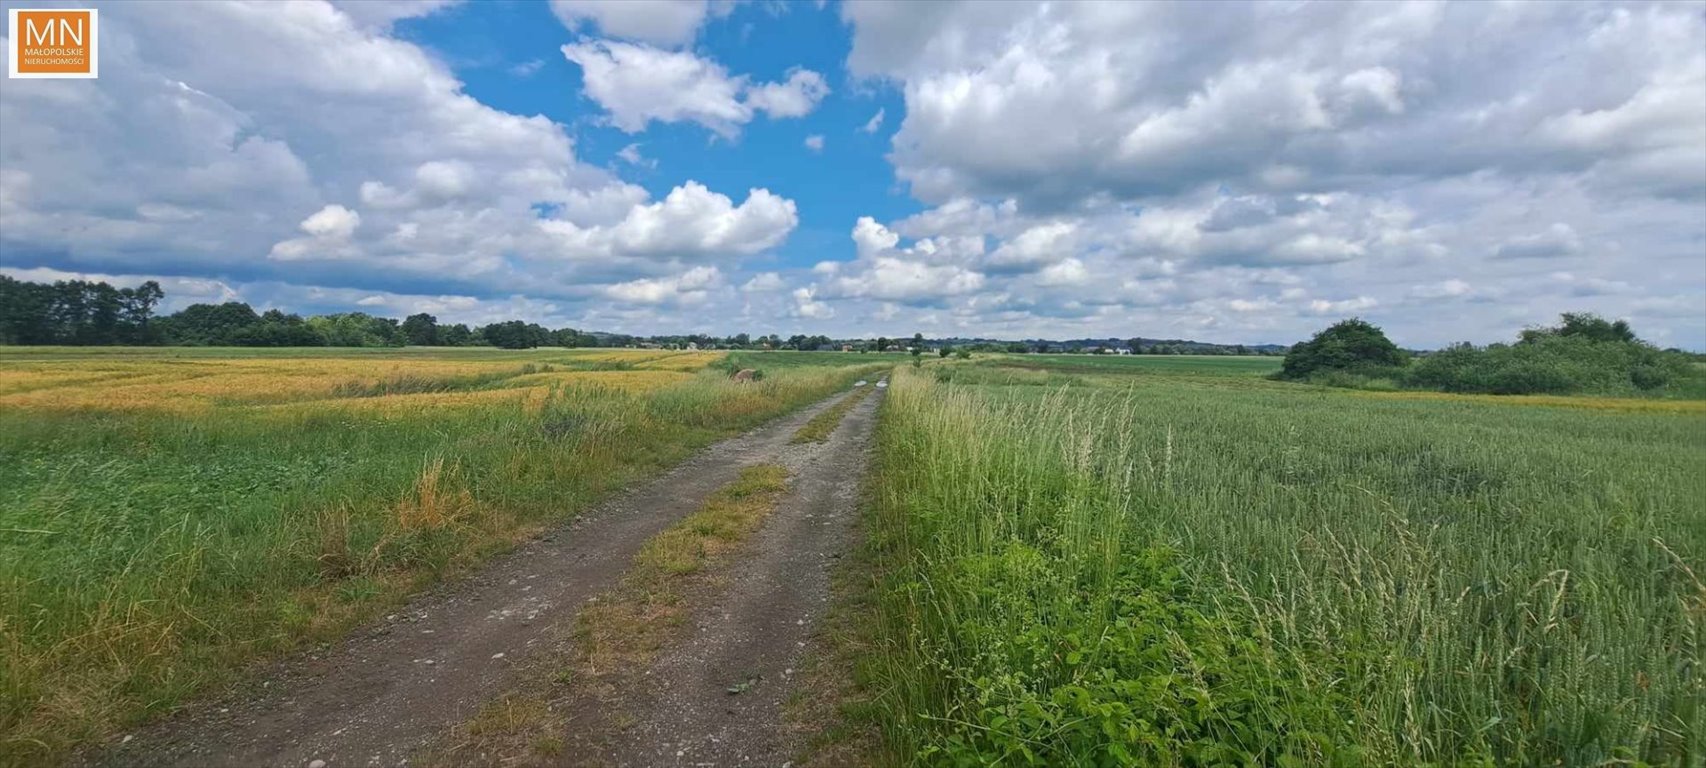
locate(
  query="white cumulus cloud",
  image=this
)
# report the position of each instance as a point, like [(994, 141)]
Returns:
[(638, 84), (302, 144), (662, 22), (875, 123)]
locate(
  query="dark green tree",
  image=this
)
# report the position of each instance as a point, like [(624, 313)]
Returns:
[(421, 330), (136, 311), (210, 325), (569, 337), (456, 335), (1348, 345), (513, 334), (76, 312), (277, 329), (1583, 325), (23, 312), (357, 329)]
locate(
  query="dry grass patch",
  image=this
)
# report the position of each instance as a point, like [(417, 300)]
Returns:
[(626, 627), (187, 385), (509, 715)]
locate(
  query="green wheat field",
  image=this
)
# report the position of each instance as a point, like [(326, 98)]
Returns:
[(1172, 561)]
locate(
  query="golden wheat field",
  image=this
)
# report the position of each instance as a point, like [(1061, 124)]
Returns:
[(197, 380)]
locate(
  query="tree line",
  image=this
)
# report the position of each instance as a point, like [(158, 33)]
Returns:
[(90, 313)]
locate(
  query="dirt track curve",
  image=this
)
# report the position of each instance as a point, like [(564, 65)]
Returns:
[(387, 690)]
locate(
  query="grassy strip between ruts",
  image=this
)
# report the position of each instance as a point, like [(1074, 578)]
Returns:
[(618, 634), (822, 425)]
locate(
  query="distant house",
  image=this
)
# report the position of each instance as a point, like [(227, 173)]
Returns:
[(692, 346), (846, 347)]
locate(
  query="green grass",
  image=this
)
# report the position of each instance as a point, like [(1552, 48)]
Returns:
[(766, 361), (1136, 365), (145, 556), (819, 428), (727, 517), (1118, 568)]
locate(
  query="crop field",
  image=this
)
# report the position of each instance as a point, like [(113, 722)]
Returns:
[(167, 515), (1154, 561), (1135, 365)]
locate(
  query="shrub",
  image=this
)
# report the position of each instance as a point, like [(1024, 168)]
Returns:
[(1368, 379), (1550, 363), (1353, 345), (1531, 378), (1584, 354), (1649, 375)]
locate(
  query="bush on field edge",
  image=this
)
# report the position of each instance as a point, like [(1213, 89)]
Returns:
[(1584, 355)]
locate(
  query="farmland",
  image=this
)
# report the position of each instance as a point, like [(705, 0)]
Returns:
[(1069, 559), (1098, 561), (167, 515)]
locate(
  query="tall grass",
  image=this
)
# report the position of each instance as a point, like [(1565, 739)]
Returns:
[(145, 555), (1145, 572)]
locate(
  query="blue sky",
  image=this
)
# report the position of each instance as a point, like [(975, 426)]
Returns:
[(487, 42), (1241, 172)]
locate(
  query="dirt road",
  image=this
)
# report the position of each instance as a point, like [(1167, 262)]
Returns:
[(715, 697), (388, 690)]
